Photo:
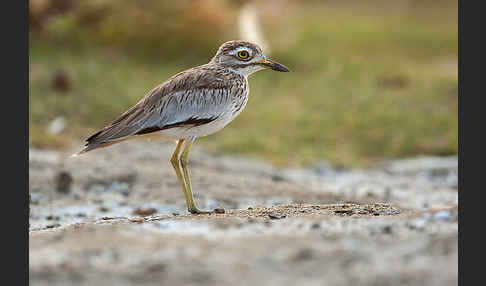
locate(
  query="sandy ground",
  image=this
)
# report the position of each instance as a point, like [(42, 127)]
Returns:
[(117, 217)]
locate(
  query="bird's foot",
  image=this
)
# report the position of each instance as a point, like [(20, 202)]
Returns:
[(196, 210)]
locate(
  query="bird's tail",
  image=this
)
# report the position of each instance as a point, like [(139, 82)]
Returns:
[(101, 139)]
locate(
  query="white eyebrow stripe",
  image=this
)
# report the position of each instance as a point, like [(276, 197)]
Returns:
[(249, 50)]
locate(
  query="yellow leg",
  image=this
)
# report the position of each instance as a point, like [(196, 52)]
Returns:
[(177, 167), (176, 163), (191, 206)]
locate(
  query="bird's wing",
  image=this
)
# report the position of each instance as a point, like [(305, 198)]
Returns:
[(190, 98)]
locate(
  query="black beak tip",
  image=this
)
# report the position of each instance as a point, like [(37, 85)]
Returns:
[(276, 66), (280, 68)]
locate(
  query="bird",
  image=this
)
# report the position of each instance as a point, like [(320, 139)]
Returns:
[(193, 103)]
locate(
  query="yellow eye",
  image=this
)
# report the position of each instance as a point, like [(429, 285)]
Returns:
[(243, 54)]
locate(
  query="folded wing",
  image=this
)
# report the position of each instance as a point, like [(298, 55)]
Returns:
[(190, 98)]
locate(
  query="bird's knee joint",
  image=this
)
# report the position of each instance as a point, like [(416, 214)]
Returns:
[(175, 161)]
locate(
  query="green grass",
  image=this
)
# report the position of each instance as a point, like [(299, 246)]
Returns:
[(363, 87)]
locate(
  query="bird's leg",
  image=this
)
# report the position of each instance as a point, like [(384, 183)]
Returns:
[(177, 167), (191, 205)]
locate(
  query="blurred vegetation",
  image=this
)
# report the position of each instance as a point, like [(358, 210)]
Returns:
[(370, 79), (143, 28)]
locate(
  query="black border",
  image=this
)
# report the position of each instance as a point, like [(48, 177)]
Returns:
[(471, 86), (15, 139)]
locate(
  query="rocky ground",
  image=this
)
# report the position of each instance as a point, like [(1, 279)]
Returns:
[(117, 217)]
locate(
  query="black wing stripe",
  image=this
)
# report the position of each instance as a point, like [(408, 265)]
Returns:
[(189, 122)]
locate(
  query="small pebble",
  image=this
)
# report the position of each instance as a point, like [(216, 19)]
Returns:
[(276, 216), (387, 229), (219, 210), (145, 212), (137, 219), (277, 178), (303, 254), (51, 217), (175, 214), (53, 225), (103, 209), (343, 212), (315, 225), (64, 181)]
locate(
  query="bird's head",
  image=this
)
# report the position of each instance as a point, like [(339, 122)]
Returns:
[(244, 58)]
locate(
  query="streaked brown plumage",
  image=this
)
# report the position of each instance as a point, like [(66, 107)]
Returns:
[(193, 103), (207, 79)]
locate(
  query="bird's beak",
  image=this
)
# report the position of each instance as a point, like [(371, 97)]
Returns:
[(273, 65)]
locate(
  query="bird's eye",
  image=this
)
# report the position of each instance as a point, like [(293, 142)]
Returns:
[(243, 55)]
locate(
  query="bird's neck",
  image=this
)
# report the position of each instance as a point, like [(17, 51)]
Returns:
[(239, 72)]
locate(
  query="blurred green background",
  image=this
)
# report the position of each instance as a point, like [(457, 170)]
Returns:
[(370, 80)]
